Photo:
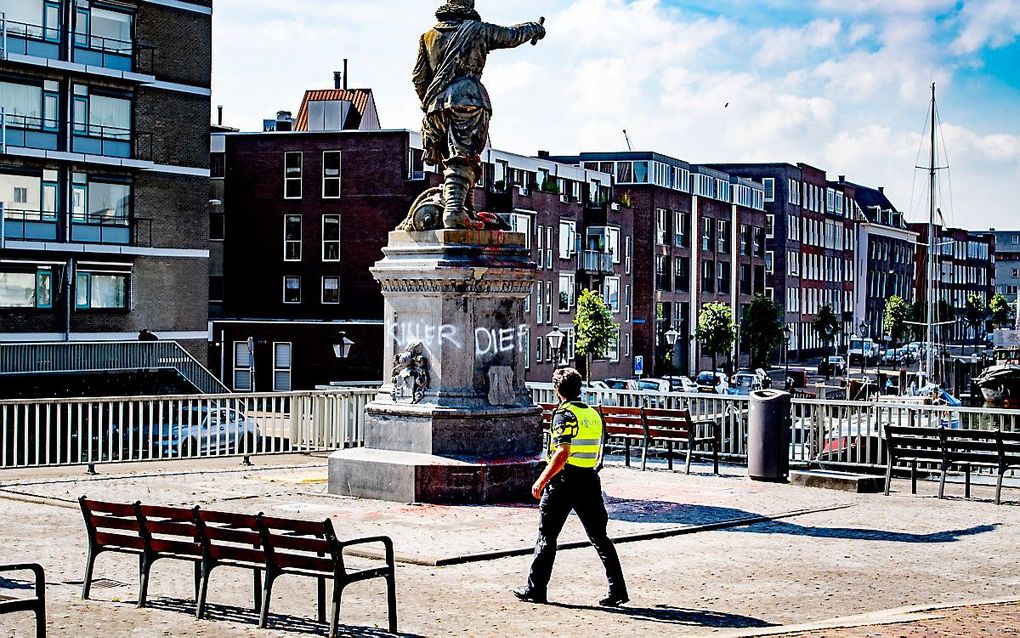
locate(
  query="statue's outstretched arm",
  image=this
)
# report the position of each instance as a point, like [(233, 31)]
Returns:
[(497, 37)]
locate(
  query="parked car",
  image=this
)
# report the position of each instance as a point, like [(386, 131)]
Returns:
[(654, 385), (682, 384), (205, 429), (798, 379), (834, 366), (744, 383), (713, 383), (621, 384)]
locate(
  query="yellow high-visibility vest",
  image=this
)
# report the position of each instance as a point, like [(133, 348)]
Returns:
[(587, 443)]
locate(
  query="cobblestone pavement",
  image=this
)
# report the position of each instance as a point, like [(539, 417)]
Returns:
[(981, 620), (847, 555)]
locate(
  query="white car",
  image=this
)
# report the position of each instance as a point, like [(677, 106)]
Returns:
[(713, 383), (744, 383), (681, 384)]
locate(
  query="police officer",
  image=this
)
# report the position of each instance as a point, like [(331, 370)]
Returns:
[(571, 482)]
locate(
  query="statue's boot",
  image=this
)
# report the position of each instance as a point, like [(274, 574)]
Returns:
[(455, 194)]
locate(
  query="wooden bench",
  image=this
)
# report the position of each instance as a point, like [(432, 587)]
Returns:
[(627, 424), (948, 448), (36, 604), (209, 539), (676, 427)]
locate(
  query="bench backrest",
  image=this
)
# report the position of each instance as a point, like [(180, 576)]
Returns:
[(171, 529), (914, 442), (112, 524), (971, 446), (620, 421), (231, 537), (669, 424), (303, 545), (1011, 447)]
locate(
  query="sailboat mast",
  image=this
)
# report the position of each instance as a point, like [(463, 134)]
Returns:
[(932, 247)]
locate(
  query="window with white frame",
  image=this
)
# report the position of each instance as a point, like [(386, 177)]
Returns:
[(770, 226), (770, 189), (628, 253), (29, 289), (770, 262), (242, 367), (521, 223), (548, 302), (291, 290), (566, 299), (292, 237), (612, 293), (613, 243), (540, 236), (331, 238), (330, 290), (282, 367), (293, 167), (567, 238), (661, 225), (613, 353), (331, 175), (100, 291), (549, 247)]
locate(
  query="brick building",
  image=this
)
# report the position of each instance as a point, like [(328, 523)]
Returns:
[(104, 170), (810, 247), (886, 255), (699, 237), (964, 266)]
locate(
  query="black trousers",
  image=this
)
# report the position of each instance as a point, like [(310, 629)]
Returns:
[(579, 490)]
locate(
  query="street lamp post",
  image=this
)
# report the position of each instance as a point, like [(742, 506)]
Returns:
[(555, 340), (788, 334), (862, 332)]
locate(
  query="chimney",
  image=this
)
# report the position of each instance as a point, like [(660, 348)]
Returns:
[(345, 74), (842, 179), (338, 80), (219, 115), (284, 121), (881, 189), (543, 155)]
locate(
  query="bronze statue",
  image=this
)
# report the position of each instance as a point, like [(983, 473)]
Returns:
[(447, 77)]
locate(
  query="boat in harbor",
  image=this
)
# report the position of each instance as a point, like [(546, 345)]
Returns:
[(1000, 384)]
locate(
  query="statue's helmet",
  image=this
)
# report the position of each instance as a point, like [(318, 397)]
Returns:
[(469, 4)]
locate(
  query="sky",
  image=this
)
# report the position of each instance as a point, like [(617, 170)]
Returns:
[(843, 85)]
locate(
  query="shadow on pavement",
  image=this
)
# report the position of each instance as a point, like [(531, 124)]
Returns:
[(664, 512), (277, 622), (677, 616), (13, 583)]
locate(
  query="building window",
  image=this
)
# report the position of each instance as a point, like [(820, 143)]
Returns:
[(216, 288), (293, 165), (724, 278), (770, 189), (331, 238), (331, 175), (628, 254), (26, 289), (242, 367), (612, 293), (567, 238), (681, 274), (521, 223), (548, 302), (661, 224), (99, 291), (662, 273), (681, 229), (770, 262), (770, 226), (292, 238), (100, 200), (331, 290), (724, 237), (282, 366), (708, 276), (707, 233), (613, 243), (217, 227), (217, 165), (292, 290), (30, 196), (613, 353), (566, 293)]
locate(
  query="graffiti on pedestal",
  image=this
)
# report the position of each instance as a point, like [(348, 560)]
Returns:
[(489, 342)]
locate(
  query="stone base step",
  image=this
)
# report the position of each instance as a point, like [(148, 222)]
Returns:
[(842, 481)]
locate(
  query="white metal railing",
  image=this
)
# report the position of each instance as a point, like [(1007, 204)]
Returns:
[(3, 37), (825, 432), (27, 358), (88, 432), (595, 261), (3, 131)]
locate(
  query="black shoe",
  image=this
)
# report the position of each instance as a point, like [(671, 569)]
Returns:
[(614, 600), (529, 596)]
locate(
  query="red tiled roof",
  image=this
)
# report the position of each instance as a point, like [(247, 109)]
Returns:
[(357, 97)]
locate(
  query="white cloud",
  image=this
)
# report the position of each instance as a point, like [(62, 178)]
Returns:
[(993, 23), (845, 89)]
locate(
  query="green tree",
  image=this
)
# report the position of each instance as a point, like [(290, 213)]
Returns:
[(716, 331), (826, 327), (897, 313), (761, 329), (974, 313), (596, 330), (1001, 311)]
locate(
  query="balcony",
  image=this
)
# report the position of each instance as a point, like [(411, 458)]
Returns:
[(45, 41), (595, 262), (109, 141), (111, 53), (28, 39), (43, 226), (28, 131)]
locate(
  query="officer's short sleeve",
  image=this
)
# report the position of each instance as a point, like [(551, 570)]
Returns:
[(564, 427)]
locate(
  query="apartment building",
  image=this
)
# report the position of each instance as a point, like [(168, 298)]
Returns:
[(1007, 263), (699, 237), (965, 265), (104, 170), (810, 247)]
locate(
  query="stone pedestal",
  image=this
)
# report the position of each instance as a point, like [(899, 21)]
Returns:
[(473, 435)]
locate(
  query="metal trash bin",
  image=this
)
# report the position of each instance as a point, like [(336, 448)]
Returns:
[(768, 436)]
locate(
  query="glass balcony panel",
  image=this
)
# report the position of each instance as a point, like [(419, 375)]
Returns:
[(29, 225)]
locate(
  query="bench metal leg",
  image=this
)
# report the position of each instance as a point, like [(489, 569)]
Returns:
[(967, 474), (144, 565), (334, 615), (90, 565), (626, 451), (942, 481), (267, 594), (203, 591), (322, 599), (716, 444), (391, 601), (888, 476), (913, 477), (669, 454), (644, 456), (257, 588), (998, 487), (690, 451), (198, 580)]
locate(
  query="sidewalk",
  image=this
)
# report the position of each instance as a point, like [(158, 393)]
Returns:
[(704, 555)]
